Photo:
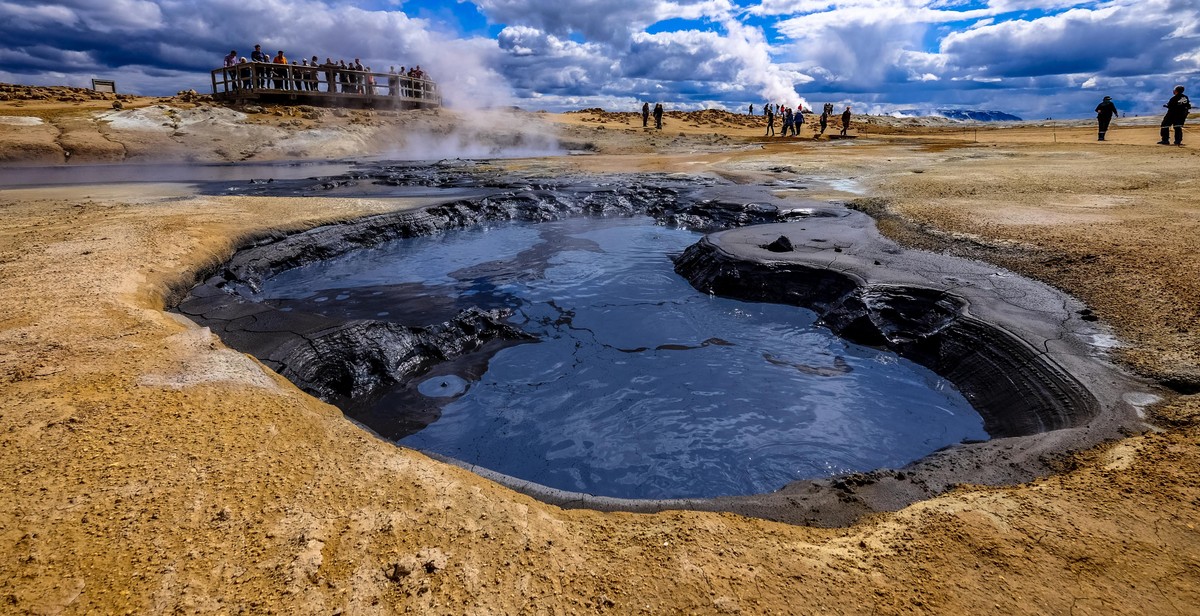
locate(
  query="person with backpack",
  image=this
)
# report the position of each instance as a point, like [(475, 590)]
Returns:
[(1177, 112)]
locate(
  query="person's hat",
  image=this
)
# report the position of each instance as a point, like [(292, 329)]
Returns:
[(1108, 98)]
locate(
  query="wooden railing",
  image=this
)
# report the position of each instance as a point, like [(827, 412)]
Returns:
[(253, 80)]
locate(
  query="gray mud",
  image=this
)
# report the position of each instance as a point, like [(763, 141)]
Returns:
[(1020, 351)]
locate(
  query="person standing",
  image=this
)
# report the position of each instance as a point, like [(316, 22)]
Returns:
[(645, 115), (770, 122), (231, 76), (1104, 114), (1177, 113), (751, 109), (845, 120), (797, 120), (787, 122), (658, 114), (260, 57), (280, 71)]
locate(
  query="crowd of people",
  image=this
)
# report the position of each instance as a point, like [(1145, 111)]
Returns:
[(793, 119), (261, 70)]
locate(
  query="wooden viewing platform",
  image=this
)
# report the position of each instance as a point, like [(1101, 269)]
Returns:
[(321, 86)]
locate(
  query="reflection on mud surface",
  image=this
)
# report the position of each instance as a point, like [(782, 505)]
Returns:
[(639, 386)]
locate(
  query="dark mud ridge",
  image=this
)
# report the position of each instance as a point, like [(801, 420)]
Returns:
[(1029, 358)]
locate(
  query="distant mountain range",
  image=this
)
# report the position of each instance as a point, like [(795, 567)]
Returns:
[(959, 114)]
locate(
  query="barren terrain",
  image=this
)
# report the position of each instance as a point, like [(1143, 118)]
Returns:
[(146, 468)]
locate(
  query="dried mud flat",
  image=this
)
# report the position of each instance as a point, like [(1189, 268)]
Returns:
[(148, 469)]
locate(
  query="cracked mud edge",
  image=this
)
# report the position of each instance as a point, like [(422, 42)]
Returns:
[(1037, 412)]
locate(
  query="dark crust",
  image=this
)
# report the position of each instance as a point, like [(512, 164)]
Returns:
[(1043, 393)]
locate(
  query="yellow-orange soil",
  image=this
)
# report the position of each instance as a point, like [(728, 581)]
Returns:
[(146, 468)]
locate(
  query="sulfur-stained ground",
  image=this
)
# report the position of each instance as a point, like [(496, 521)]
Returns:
[(146, 468)]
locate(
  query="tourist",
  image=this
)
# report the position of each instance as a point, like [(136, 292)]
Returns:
[(645, 115), (370, 82), (787, 122), (259, 57), (1104, 114), (751, 109), (231, 76), (313, 77), (280, 71), (393, 81), (1177, 113), (824, 122), (658, 114), (360, 80), (246, 73), (797, 120), (770, 122), (330, 75), (845, 121)]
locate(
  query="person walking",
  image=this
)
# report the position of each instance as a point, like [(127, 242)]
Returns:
[(770, 122), (645, 115), (845, 121), (824, 122), (787, 122), (658, 114), (797, 120), (1105, 112), (1177, 112)]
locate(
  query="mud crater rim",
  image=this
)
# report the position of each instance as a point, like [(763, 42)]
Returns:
[(1081, 412)]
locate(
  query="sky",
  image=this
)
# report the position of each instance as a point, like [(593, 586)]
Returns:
[(1034, 59)]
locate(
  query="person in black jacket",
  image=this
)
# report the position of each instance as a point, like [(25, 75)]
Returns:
[(1177, 113), (1104, 114), (645, 115), (658, 114)]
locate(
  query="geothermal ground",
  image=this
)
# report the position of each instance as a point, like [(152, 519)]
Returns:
[(147, 468)]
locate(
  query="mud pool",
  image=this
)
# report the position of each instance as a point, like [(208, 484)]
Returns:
[(637, 386), (577, 338)]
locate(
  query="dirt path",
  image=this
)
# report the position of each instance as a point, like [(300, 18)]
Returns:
[(146, 468)]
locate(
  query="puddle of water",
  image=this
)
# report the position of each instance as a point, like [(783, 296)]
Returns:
[(640, 386), (847, 185)]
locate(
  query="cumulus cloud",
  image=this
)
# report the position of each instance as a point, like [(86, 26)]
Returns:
[(1022, 56)]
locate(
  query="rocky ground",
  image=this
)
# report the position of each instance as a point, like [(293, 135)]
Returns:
[(149, 469)]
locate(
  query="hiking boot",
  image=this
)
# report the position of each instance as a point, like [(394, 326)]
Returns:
[(1164, 143)]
